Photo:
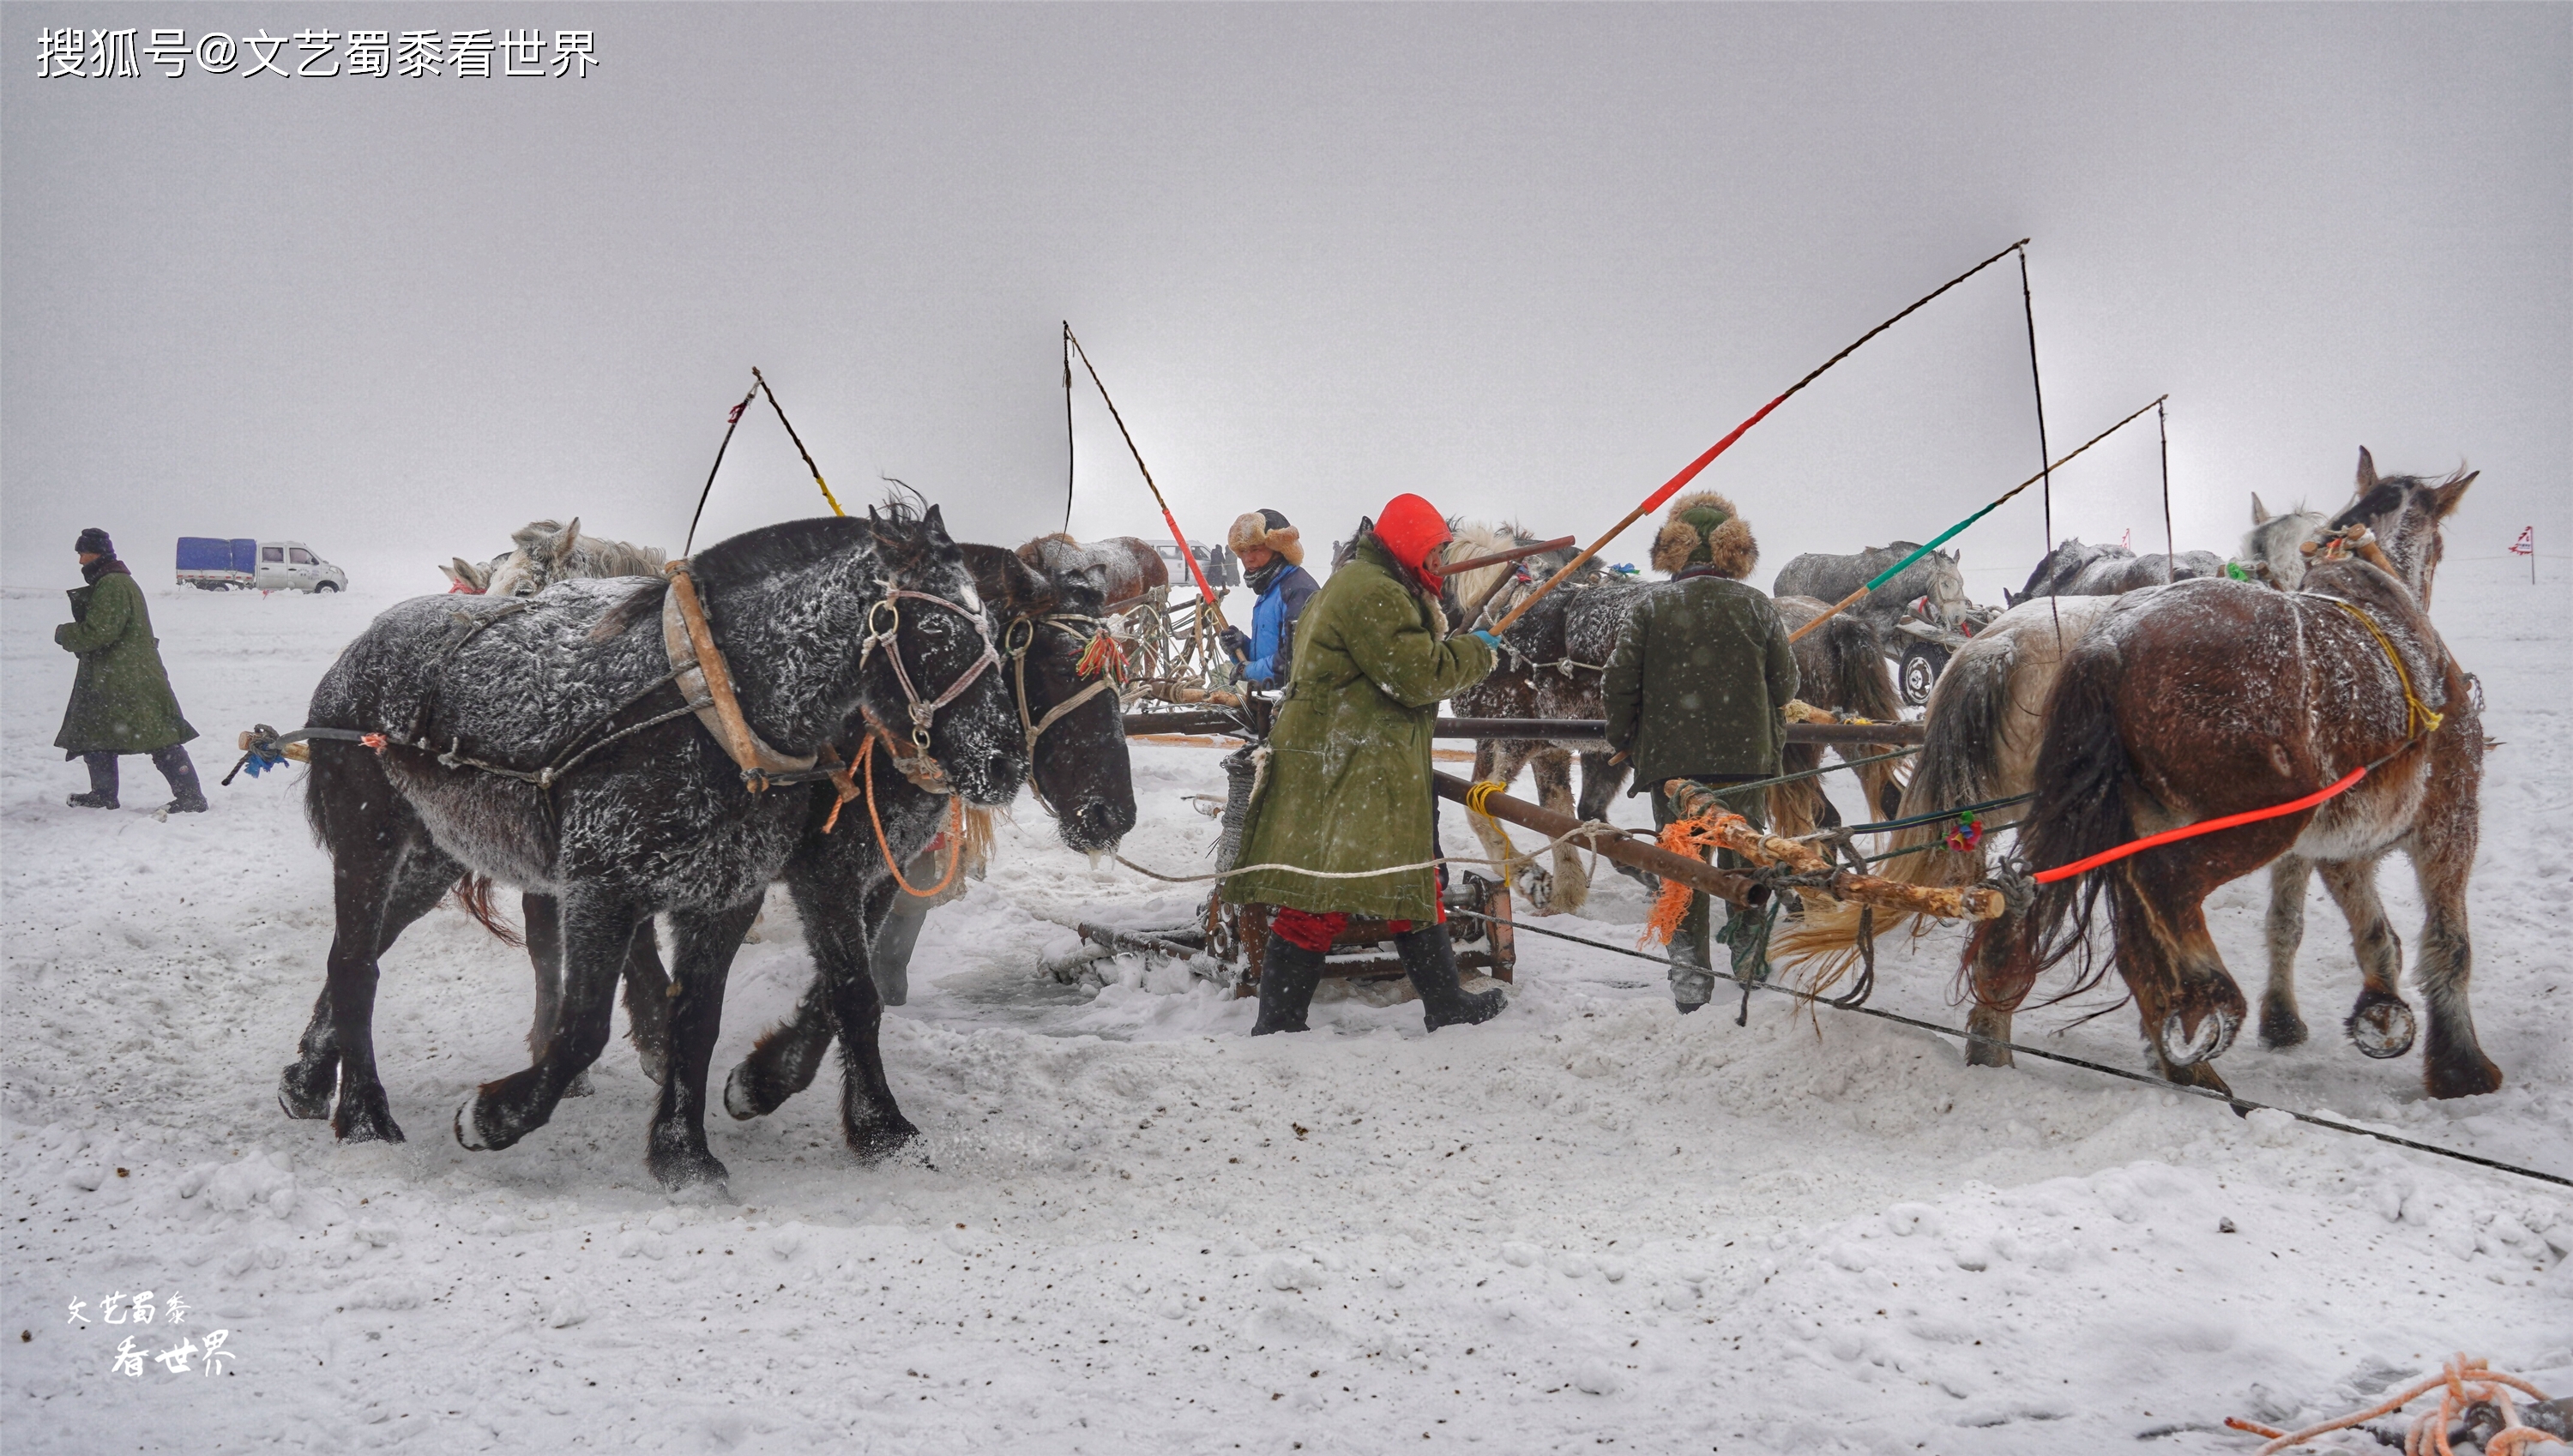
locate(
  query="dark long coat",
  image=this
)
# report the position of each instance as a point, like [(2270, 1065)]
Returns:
[(1696, 685), (121, 698)]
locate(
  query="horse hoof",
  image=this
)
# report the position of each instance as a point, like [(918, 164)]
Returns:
[(2382, 1027), (742, 1095), (2472, 1075), (470, 1134), (874, 1145), (364, 1117), (580, 1086), (2214, 1034), (300, 1098), (682, 1171), (1536, 887), (2281, 1029)]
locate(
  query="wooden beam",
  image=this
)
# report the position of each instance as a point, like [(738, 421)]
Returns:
[(1642, 854)]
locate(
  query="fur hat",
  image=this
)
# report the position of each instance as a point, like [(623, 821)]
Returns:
[(1268, 530), (1704, 528), (93, 540)]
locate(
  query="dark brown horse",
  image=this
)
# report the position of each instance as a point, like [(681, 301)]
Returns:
[(2217, 697)]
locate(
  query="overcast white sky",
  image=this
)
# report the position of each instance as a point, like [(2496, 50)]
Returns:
[(1524, 260)]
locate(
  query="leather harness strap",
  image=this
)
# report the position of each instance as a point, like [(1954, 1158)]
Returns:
[(707, 683)]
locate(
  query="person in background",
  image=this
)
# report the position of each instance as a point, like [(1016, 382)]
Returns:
[(1348, 789), (1696, 689), (121, 698), (1273, 564)]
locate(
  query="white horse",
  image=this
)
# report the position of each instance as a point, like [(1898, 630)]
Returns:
[(548, 551)]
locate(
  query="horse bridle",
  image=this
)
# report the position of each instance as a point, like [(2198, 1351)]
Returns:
[(1018, 645), (888, 611)]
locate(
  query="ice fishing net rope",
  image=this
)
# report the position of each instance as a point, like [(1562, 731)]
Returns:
[(2237, 1102)]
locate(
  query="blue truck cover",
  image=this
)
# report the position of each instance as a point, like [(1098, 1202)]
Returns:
[(215, 554)]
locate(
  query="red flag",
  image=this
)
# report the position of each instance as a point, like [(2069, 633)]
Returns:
[(735, 416), (2526, 545)]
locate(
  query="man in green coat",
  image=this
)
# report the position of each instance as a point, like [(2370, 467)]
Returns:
[(121, 698), (1696, 689), (1346, 789)]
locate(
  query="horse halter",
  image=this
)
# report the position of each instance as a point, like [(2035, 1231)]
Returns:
[(1100, 655), (888, 611)]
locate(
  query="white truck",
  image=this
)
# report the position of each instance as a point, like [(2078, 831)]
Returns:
[(218, 563)]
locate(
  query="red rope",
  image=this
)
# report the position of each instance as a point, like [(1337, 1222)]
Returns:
[(2191, 831)]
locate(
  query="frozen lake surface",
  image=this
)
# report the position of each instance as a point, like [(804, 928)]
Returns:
[(1587, 1225)]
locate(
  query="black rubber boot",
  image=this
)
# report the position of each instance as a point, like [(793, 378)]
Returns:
[(102, 782), (1287, 974), (1432, 958), (187, 796)]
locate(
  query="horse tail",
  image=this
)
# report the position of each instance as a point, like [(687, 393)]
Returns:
[(473, 894), (1862, 684), (2079, 809), (1958, 764)]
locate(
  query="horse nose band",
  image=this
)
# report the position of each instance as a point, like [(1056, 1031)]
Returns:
[(884, 621)]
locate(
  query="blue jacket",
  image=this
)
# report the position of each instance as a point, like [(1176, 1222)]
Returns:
[(1273, 626)]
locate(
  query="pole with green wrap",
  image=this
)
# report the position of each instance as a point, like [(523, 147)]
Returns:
[(1891, 573)]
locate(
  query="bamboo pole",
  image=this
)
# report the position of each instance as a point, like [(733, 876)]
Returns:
[(1696, 874)]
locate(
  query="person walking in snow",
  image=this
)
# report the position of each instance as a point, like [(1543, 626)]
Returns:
[(1696, 689), (1272, 565), (1347, 787), (121, 698)]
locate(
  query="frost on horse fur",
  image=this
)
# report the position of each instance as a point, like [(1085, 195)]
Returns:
[(659, 819)]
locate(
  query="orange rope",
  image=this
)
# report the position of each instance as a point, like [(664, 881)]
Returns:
[(1686, 837), (955, 827), (2462, 1382)]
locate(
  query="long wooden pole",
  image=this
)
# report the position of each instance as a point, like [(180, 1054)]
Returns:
[(1652, 858), (1672, 487), (1889, 574)]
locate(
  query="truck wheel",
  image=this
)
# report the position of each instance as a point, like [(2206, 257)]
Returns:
[(1920, 672), (326, 586)]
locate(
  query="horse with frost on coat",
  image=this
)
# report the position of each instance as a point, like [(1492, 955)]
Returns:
[(543, 742), (2345, 672)]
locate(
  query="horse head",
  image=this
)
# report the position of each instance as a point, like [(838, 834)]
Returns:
[(2409, 515), (1947, 588), (2273, 545), (1061, 663), (928, 665)]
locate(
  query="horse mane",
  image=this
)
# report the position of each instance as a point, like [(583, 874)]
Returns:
[(795, 545)]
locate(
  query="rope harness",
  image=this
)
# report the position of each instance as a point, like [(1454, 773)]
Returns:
[(2418, 723), (1099, 656)]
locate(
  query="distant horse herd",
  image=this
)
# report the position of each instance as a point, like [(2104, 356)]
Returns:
[(891, 686)]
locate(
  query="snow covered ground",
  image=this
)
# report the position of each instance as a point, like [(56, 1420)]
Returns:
[(1589, 1224)]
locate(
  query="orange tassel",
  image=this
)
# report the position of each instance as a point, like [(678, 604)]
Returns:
[(1690, 837)]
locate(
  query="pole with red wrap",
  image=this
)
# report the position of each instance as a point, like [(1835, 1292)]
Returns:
[(1672, 487), (1167, 519)]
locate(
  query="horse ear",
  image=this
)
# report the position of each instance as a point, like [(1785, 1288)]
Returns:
[(451, 578), (2367, 473), (935, 525), (560, 545), (472, 575), (2009, 598), (2260, 512), (2444, 498)]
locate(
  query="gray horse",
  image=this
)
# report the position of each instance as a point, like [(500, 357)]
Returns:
[(2076, 569), (1829, 579), (547, 552)]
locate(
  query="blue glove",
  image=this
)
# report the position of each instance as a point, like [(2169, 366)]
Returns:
[(1488, 639)]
